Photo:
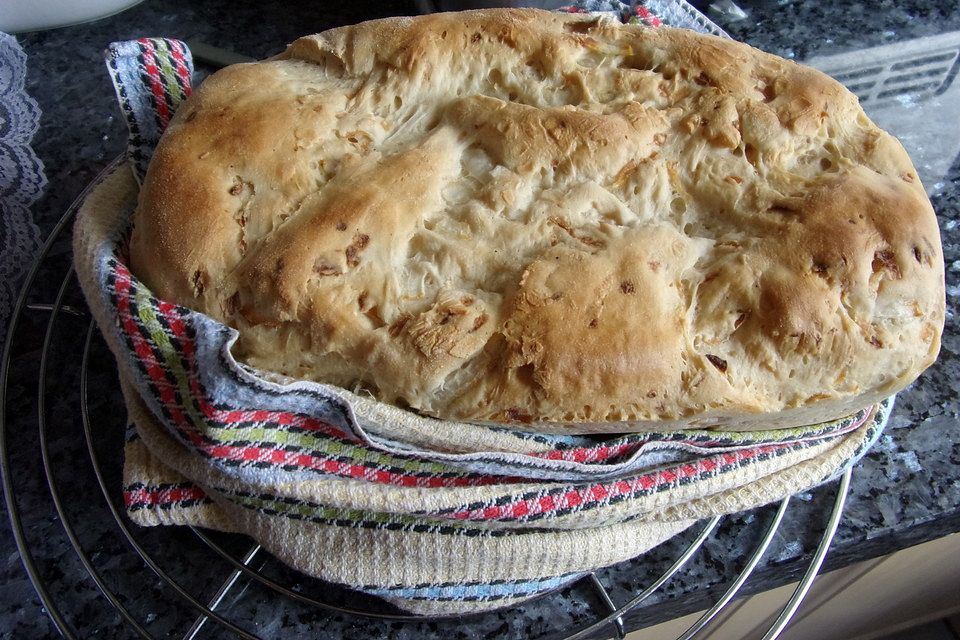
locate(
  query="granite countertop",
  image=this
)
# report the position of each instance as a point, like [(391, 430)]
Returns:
[(906, 490)]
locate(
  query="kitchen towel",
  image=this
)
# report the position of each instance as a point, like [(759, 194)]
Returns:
[(434, 516)]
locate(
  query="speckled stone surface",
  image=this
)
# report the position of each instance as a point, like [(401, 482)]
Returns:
[(907, 490)]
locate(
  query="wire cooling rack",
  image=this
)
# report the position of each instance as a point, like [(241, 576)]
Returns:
[(73, 414)]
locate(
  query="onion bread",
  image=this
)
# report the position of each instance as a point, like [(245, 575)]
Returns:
[(527, 217)]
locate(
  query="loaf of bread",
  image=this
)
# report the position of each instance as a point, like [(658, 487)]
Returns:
[(535, 218)]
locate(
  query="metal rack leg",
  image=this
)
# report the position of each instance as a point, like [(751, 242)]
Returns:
[(808, 577), (221, 594), (54, 308), (605, 596), (744, 574), (646, 593)]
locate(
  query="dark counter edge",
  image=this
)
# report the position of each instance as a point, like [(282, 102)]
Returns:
[(766, 578)]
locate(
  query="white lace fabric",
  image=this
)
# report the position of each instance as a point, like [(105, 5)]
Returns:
[(21, 175)]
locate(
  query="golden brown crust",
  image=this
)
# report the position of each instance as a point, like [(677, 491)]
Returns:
[(529, 217)]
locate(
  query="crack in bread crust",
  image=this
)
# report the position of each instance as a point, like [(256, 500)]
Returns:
[(528, 217)]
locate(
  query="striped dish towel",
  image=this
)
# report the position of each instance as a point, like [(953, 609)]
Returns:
[(373, 497)]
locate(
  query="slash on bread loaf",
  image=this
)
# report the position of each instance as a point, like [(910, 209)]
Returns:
[(528, 217)]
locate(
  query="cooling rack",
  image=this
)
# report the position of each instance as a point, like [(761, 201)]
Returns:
[(62, 401)]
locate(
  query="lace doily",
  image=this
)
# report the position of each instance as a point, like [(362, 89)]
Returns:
[(21, 175)]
